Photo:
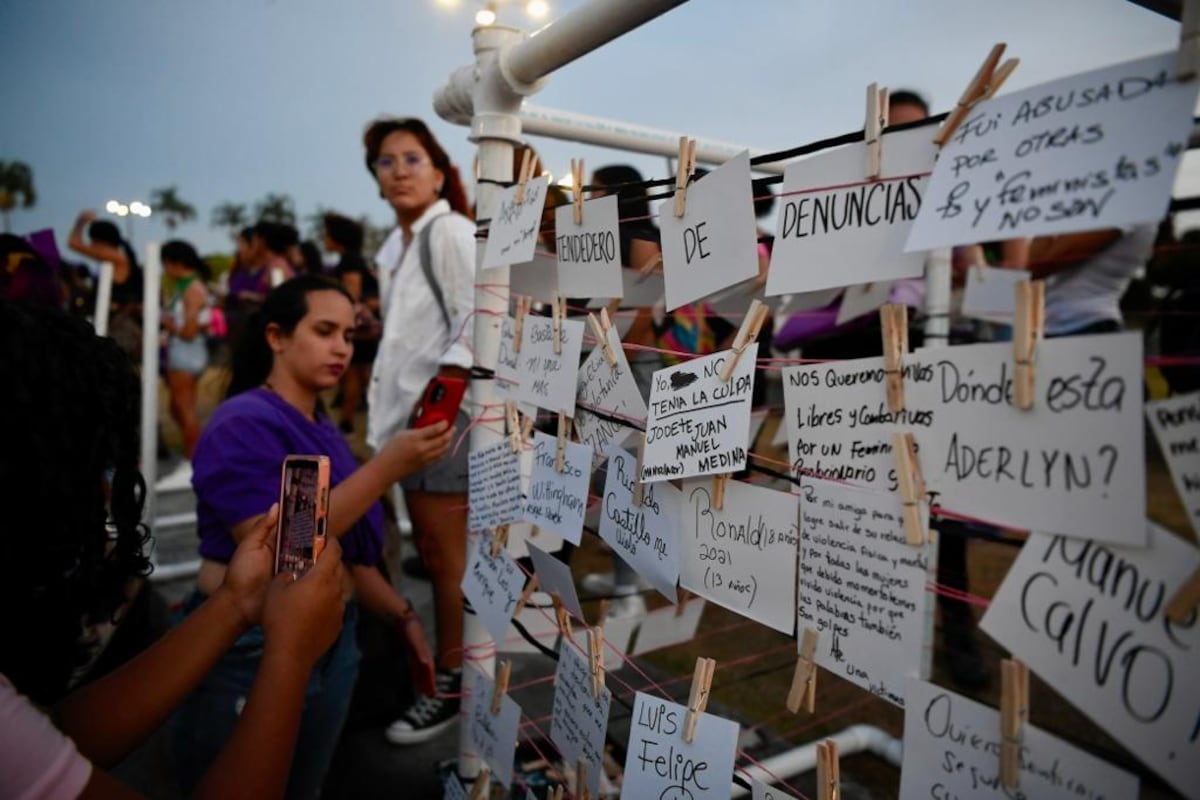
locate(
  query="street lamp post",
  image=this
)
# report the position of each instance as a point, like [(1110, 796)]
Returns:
[(134, 209)]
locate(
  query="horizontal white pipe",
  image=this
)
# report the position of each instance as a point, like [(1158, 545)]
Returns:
[(170, 572), (179, 520), (579, 33), (855, 739), (585, 128)]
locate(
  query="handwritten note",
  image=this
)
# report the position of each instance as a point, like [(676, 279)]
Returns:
[(579, 719), (659, 764), (1176, 424), (494, 486), (610, 392), (557, 500), (1095, 150), (554, 577), (507, 360), (952, 746), (589, 255), (838, 423), (493, 736), (862, 587), (742, 556), (646, 537), (714, 244), (991, 293), (548, 379), (1088, 618), (761, 791), (668, 626), (854, 231), (513, 231), (699, 424), (1073, 464), (492, 585)]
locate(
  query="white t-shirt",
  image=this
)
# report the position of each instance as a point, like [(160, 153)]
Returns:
[(36, 760), (1091, 292)]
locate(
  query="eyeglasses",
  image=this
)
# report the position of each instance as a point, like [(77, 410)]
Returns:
[(411, 161)]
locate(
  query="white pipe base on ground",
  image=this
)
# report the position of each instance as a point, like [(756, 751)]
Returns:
[(855, 739)]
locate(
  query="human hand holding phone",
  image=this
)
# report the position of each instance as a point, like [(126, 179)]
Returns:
[(439, 402), (303, 614), (304, 509), (411, 450), (249, 573)]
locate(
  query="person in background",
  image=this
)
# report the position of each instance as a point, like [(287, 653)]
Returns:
[(187, 314), (344, 236), (25, 275), (297, 346), (105, 243), (272, 242), (310, 261), (426, 307), (248, 283), (70, 471)]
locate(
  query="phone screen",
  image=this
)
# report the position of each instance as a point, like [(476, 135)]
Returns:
[(302, 512)]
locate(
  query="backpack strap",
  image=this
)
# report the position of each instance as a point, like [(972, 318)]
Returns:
[(426, 257)]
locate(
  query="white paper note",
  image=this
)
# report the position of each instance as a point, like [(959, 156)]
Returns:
[(554, 577), (660, 764), (514, 229), (742, 556), (494, 486), (548, 380), (761, 791), (990, 293), (589, 255), (1088, 619), (557, 501), (611, 392), (1095, 150), (492, 585), (492, 736), (699, 424), (836, 228), (507, 360), (668, 626), (862, 588), (579, 719), (537, 278), (1176, 424), (715, 243), (1072, 464), (862, 299), (646, 537), (951, 747)]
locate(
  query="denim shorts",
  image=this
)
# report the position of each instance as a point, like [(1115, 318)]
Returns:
[(203, 724), (450, 475)]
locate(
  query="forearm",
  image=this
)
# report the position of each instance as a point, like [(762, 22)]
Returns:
[(110, 717), (378, 596), (353, 497), (256, 759)]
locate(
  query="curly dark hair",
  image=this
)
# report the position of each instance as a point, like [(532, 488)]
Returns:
[(69, 417)]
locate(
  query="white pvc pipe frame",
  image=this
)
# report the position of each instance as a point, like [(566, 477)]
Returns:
[(488, 95)]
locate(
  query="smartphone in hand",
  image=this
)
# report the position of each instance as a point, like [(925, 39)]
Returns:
[(303, 511), (442, 397)]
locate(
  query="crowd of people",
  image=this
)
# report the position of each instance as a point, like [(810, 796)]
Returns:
[(257, 674)]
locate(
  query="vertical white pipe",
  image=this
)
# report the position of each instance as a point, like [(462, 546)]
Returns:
[(937, 297), (151, 291), (103, 298)]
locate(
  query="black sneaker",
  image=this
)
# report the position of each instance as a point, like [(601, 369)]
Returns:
[(429, 716)]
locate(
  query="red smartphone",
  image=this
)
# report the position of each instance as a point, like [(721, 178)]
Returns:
[(441, 400), (303, 511)]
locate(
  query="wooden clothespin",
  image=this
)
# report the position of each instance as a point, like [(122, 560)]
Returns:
[(558, 793), (513, 416), (912, 486), (639, 488), (564, 436), (829, 773), (684, 597), (877, 120), (698, 698), (523, 304), (1029, 322), (503, 672), (581, 780), (985, 84), (747, 334), (804, 680), (499, 540), (718, 495), (893, 319), (1014, 713), (596, 658), (577, 188), (601, 334), (1188, 63), (559, 313), (528, 170), (1185, 599), (602, 614), (526, 430), (561, 617), (483, 781), (530, 587), (684, 168)]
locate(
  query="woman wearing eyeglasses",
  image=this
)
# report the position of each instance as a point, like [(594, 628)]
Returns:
[(427, 293)]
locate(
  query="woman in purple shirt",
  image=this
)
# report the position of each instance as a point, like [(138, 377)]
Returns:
[(296, 346)]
